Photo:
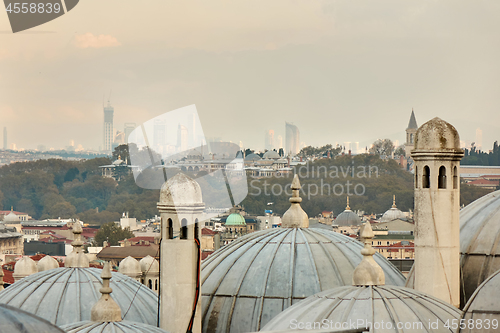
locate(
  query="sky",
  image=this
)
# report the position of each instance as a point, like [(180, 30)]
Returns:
[(339, 70)]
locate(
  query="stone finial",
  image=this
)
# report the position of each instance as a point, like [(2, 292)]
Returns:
[(394, 201), (368, 272), (77, 258), (1, 278), (347, 206), (106, 309), (295, 217), (47, 263), (24, 267)]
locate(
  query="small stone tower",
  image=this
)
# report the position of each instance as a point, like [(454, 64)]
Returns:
[(411, 131), (150, 269), (180, 207), (437, 157)]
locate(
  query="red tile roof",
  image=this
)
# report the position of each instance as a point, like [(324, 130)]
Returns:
[(206, 231), (205, 254)]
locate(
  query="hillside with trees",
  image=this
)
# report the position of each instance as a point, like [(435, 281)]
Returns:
[(478, 157)]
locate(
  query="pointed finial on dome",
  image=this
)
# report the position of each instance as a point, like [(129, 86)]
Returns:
[(106, 309), (368, 272), (295, 217), (11, 208), (394, 201), (77, 258), (347, 207)]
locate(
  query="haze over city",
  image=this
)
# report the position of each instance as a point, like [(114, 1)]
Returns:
[(340, 71)]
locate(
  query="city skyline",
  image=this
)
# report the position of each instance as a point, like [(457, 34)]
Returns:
[(343, 72)]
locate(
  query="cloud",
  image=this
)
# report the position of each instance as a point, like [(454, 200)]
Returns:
[(89, 40)]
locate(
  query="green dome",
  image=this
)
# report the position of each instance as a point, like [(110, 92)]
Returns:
[(235, 219)]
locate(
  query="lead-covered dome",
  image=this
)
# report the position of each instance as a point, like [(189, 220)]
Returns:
[(235, 219), (479, 241), (394, 309), (271, 154), (249, 281), (347, 217), (393, 213), (66, 295), (11, 218), (437, 134), (13, 320), (484, 305), (111, 327)]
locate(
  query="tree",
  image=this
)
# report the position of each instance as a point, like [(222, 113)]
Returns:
[(382, 147), (400, 151), (122, 152), (112, 233), (1, 199)]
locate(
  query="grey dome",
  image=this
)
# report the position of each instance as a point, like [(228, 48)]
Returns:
[(252, 157), (484, 303), (13, 320), (249, 281), (347, 218), (374, 304), (271, 154), (392, 214), (66, 295), (479, 241), (11, 218), (111, 327)]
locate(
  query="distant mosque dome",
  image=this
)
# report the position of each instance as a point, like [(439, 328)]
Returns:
[(249, 281), (66, 295), (271, 154), (13, 320), (235, 219), (347, 217), (367, 300), (393, 213), (437, 134), (252, 157), (11, 218), (484, 303)]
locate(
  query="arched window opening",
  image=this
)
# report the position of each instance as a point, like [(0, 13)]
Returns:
[(170, 229), (416, 177), (196, 229), (455, 178), (156, 284), (426, 177), (184, 229), (150, 284), (411, 138), (442, 177)]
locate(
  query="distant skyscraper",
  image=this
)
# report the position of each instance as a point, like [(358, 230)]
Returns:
[(479, 139), (182, 138), (269, 140), (5, 138), (159, 134), (279, 142), (127, 129), (108, 128), (292, 139)]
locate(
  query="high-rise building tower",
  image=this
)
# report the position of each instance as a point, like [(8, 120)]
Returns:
[(5, 146), (292, 139), (182, 138), (127, 129), (269, 140), (479, 139), (437, 156), (108, 136), (411, 130)]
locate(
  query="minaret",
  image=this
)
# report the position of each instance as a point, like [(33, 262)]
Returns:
[(368, 272), (295, 217), (106, 309), (180, 207), (411, 130), (437, 157)]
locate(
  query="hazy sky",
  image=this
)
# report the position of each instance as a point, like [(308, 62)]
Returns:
[(339, 70)]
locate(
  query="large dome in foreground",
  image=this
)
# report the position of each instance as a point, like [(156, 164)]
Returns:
[(248, 282), (66, 295), (388, 306), (13, 320)]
